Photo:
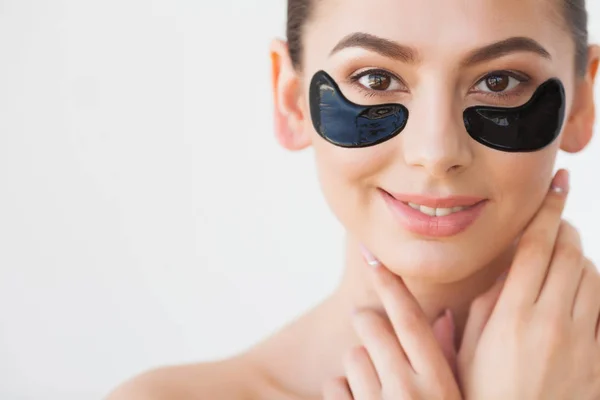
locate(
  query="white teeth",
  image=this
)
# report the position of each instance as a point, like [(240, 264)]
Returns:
[(440, 212), (415, 206), (427, 210), (436, 212)]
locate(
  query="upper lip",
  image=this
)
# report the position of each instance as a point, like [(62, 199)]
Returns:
[(438, 202)]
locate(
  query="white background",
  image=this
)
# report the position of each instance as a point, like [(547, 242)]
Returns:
[(147, 215)]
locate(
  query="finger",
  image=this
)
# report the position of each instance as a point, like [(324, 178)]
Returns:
[(598, 329), (381, 343), (534, 251), (444, 332), (337, 389), (410, 324), (361, 375), (479, 314), (587, 301), (564, 273)]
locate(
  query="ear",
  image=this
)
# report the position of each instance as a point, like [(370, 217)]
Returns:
[(290, 118), (580, 125)]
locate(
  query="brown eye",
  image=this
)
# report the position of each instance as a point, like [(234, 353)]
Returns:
[(378, 81), (497, 83)]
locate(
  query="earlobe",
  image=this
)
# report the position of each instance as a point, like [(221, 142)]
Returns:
[(579, 128), (289, 117)]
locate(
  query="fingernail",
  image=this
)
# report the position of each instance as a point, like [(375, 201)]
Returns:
[(560, 183), (369, 257)]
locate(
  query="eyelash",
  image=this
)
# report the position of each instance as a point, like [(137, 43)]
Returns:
[(521, 77), (370, 92)]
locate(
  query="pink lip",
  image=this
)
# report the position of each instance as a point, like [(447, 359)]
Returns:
[(425, 225)]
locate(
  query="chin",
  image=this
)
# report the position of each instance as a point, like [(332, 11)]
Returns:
[(435, 261), (441, 261), (438, 259)]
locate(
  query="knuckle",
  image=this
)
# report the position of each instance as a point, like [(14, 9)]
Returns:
[(515, 311), (564, 224), (555, 205), (553, 342), (566, 229), (356, 356), (532, 245), (399, 390), (552, 318), (386, 283), (530, 240), (412, 321), (589, 273), (552, 332), (596, 371), (436, 387), (591, 278), (332, 388), (589, 265), (368, 322), (443, 393), (570, 253)]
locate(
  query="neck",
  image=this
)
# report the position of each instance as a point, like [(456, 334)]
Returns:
[(433, 297), (311, 349)]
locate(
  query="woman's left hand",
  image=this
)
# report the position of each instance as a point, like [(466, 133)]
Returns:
[(400, 358)]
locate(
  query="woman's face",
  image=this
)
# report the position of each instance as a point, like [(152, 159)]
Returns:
[(437, 57)]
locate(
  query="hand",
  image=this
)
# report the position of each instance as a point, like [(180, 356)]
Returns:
[(400, 357), (537, 337)]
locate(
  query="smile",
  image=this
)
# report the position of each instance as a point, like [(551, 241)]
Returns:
[(436, 212), (434, 216)]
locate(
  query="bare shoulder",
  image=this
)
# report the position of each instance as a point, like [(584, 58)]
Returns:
[(229, 379)]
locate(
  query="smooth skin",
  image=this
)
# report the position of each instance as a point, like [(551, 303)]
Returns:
[(400, 356), (534, 335), (435, 156)]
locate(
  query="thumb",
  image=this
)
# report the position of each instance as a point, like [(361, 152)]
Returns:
[(444, 332), (479, 315)]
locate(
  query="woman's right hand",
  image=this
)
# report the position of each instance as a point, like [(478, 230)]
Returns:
[(401, 355), (535, 335)]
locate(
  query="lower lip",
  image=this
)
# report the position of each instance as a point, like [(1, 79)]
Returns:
[(425, 225)]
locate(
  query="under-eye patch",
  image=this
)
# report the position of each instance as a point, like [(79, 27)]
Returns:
[(529, 127), (346, 124)]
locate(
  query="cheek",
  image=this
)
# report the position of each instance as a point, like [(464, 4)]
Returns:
[(346, 175), (520, 183)]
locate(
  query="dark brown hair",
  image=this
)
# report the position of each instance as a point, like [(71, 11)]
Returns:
[(576, 18), (574, 12)]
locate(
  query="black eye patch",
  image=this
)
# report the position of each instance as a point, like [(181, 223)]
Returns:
[(526, 128), (346, 124), (529, 127)]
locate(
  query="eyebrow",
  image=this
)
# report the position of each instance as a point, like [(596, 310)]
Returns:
[(385, 47), (410, 55), (505, 47)]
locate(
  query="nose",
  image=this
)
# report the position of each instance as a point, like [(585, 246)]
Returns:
[(435, 138)]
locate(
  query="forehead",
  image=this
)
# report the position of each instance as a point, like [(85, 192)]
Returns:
[(440, 27)]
